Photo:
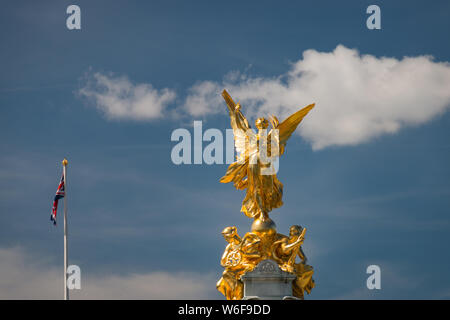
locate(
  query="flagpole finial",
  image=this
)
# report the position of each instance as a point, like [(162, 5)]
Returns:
[(65, 162)]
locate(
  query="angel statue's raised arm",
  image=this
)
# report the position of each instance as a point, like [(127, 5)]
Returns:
[(264, 191)]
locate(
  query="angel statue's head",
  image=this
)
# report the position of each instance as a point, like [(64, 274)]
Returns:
[(261, 123)]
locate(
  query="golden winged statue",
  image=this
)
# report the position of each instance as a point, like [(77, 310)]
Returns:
[(253, 170)]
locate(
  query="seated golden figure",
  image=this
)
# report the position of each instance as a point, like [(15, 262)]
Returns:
[(285, 251)]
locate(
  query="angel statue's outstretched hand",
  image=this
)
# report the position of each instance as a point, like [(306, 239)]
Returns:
[(253, 169)]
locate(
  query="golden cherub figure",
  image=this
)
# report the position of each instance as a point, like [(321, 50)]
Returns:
[(253, 170)]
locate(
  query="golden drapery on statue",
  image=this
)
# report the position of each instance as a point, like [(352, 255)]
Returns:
[(255, 170)]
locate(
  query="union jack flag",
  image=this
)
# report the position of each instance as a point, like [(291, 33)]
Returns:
[(60, 193)]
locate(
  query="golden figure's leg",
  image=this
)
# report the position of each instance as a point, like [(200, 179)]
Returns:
[(255, 202)]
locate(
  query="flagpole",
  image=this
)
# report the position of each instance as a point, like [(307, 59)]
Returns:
[(66, 290)]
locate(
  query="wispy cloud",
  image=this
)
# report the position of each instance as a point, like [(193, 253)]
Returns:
[(26, 276), (118, 98), (358, 97), (204, 99)]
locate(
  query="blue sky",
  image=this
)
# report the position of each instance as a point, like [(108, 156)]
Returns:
[(379, 195)]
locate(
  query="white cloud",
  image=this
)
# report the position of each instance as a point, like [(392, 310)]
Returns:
[(118, 98), (358, 97), (26, 276), (154, 285), (201, 97)]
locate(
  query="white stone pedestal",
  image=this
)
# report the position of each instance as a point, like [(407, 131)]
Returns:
[(268, 282)]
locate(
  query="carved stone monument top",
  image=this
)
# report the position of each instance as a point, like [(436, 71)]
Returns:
[(267, 269), (268, 282)]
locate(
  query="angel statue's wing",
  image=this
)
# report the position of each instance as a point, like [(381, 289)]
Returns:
[(243, 135), (288, 126), (243, 138), (238, 121)]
